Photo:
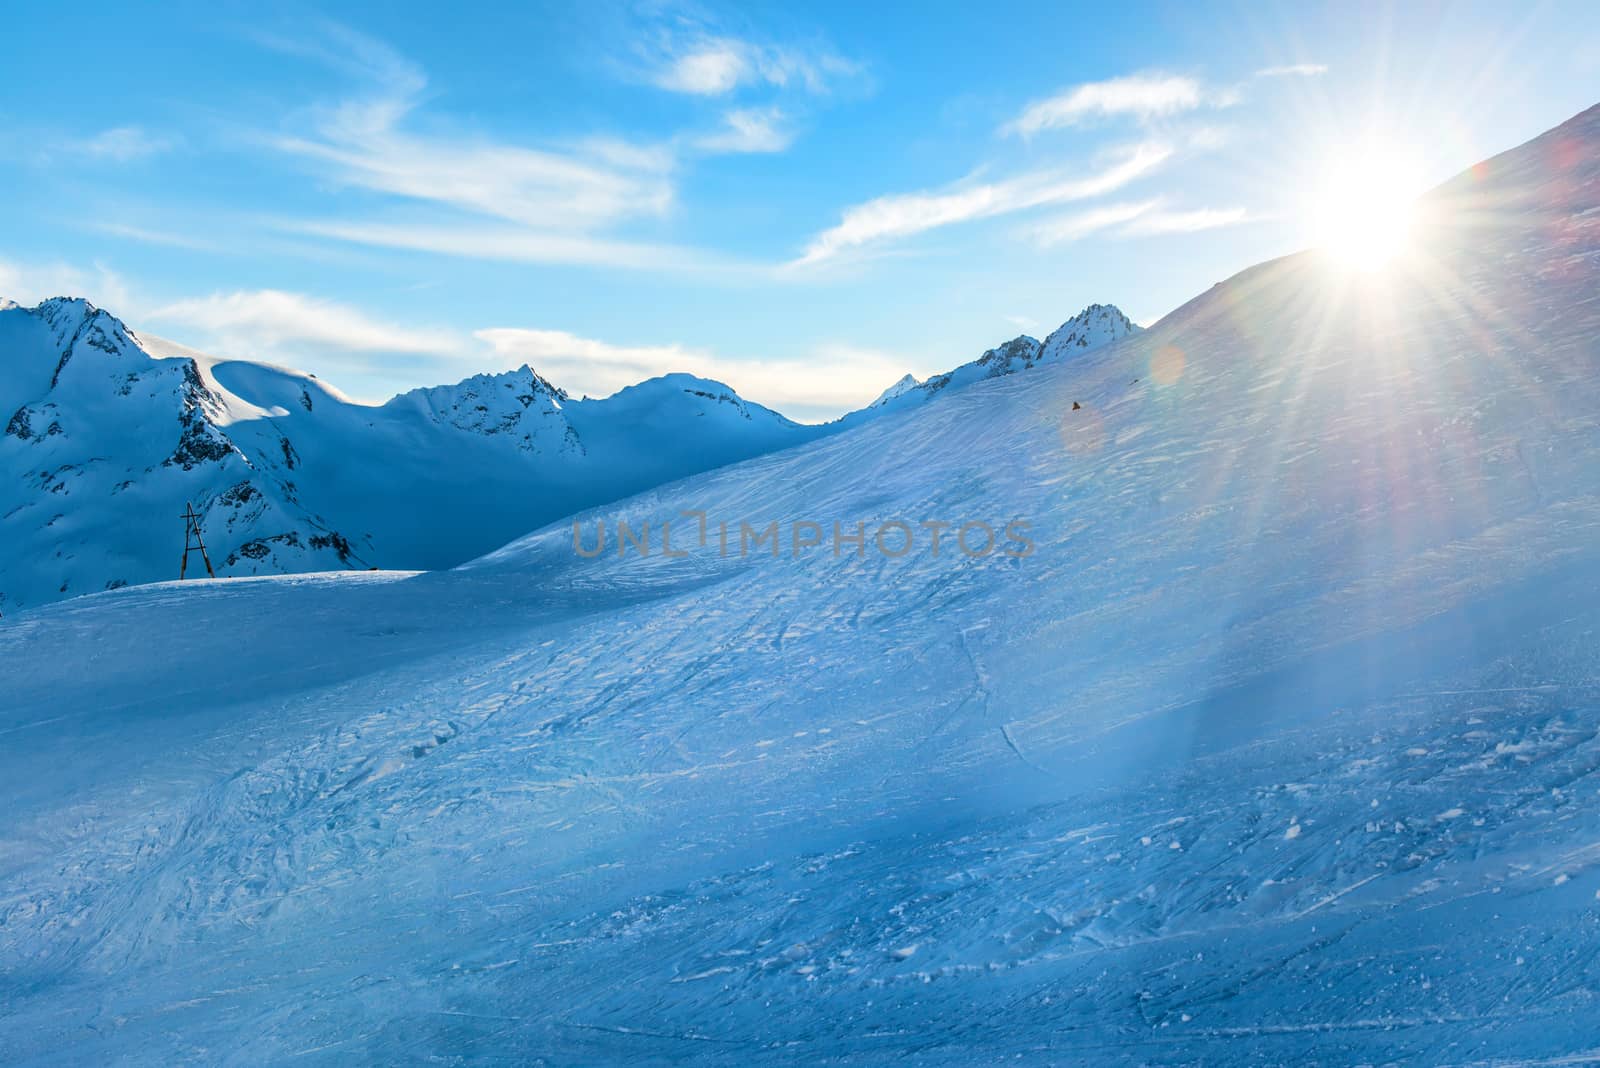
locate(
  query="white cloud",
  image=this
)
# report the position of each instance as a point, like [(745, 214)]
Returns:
[(341, 48), (370, 141), (715, 66), (901, 215), (262, 321), (121, 144), (711, 65), (155, 237), (362, 145), (511, 202), (1303, 70), (512, 244), (1081, 224), (1133, 219), (1185, 222), (748, 130), (550, 203), (830, 381), (1142, 96), (626, 155)]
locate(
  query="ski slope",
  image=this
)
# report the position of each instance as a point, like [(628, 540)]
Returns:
[(1282, 745)]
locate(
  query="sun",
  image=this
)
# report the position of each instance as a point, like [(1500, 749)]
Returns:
[(1363, 211)]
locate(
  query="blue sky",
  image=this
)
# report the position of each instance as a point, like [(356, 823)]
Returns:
[(805, 201)]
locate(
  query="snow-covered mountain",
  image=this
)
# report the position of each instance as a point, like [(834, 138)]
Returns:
[(1096, 325), (1269, 737), (108, 434)]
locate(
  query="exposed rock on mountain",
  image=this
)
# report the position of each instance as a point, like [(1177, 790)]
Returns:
[(1096, 325)]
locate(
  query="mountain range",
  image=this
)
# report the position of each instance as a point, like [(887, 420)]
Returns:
[(109, 433)]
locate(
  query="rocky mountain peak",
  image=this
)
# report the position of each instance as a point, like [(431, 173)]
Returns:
[(1096, 325)]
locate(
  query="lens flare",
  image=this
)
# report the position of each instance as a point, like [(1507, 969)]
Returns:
[(1166, 366)]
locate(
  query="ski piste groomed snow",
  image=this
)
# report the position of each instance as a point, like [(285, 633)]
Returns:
[(1282, 746)]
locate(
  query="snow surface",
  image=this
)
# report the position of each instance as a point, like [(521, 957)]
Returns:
[(1281, 747)]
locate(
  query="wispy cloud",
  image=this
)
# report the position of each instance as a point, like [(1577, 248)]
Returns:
[(1078, 225), (712, 65), (1133, 219), (364, 143), (513, 245), (121, 144), (829, 381), (501, 201), (154, 237), (749, 130), (1185, 222), (267, 321), (901, 215), (118, 144), (1302, 70), (494, 200), (338, 47), (1140, 96)]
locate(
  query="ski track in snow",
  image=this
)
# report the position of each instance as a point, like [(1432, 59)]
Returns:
[(1284, 747)]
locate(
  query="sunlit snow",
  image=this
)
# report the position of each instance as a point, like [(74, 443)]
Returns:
[(1281, 746)]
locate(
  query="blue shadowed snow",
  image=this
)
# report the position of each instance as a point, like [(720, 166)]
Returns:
[(1283, 746)]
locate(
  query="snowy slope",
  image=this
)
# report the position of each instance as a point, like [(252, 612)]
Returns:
[(108, 434), (1096, 325), (1280, 747)]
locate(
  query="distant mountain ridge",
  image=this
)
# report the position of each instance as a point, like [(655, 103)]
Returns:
[(105, 440), (109, 433), (1095, 326)]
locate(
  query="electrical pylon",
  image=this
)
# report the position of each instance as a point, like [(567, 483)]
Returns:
[(192, 540)]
